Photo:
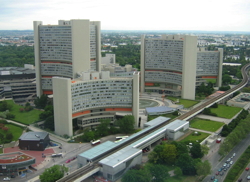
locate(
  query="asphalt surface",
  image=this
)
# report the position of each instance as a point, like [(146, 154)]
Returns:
[(216, 164)]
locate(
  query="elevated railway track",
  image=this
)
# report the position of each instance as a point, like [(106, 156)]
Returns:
[(94, 164)]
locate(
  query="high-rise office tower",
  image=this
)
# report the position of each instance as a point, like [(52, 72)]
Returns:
[(65, 49), (168, 64), (172, 65)]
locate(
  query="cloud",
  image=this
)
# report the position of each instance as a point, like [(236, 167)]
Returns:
[(131, 14)]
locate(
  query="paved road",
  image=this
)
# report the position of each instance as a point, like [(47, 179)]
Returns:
[(216, 164)]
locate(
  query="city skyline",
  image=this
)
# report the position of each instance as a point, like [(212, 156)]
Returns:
[(211, 15)]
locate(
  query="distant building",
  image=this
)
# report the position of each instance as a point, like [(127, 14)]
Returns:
[(18, 83), (108, 59), (34, 141), (15, 163), (242, 100), (65, 49), (171, 65), (119, 71)]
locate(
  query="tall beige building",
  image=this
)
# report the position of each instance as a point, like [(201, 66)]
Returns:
[(168, 64), (65, 49), (91, 97), (173, 66)]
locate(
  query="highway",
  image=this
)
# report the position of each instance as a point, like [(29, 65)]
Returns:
[(74, 175)]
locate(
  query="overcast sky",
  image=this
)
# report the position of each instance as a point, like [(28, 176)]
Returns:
[(221, 15)]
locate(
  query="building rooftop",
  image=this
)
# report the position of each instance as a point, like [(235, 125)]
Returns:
[(16, 71), (157, 121), (97, 150), (175, 125), (120, 156), (159, 109), (104, 147), (35, 136), (14, 157)]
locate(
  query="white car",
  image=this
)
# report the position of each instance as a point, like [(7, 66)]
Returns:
[(231, 162), (234, 154), (6, 179), (248, 177)]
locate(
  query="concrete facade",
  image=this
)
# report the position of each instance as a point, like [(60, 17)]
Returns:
[(171, 65), (65, 49), (91, 97)]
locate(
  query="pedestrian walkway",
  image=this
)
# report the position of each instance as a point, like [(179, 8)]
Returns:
[(214, 118), (195, 129)]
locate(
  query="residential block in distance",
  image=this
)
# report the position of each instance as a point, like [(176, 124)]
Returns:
[(91, 97), (173, 66), (65, 49)]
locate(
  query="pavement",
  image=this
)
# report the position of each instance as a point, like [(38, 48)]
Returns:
[(214, 118)]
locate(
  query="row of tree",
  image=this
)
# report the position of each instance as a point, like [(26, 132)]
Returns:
[(235, 136), (227, 129)]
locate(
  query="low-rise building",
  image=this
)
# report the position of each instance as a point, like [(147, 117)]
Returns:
[(15, 163), (34, 141)]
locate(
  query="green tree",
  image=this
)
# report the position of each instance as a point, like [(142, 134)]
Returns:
[(186, 163), (203, 168), (53, 173), (136, 176), (41, 102), (163, 154), (88, 135), (177, 171), (103, 128), (180, 147), (158, 172), (196, 151), (126, 124), (204, 149), (49, 123), (226, 79)]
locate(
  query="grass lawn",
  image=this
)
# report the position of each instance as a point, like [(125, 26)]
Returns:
[(186, 103), (24, 117), (15, 130), (192, 138), (225, 111), (212, 80), (204, 124)]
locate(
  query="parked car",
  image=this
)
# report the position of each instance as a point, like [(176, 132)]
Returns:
[(225, 164), (234, 154), (217, 173), (225, 169), (221, 173), (212, 177), (247, 169), (60, 147), (6, 179), (231, 162), (220, 169), (228, 160), (73, 158), (216, 180), (248, 177), (239, 180)]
